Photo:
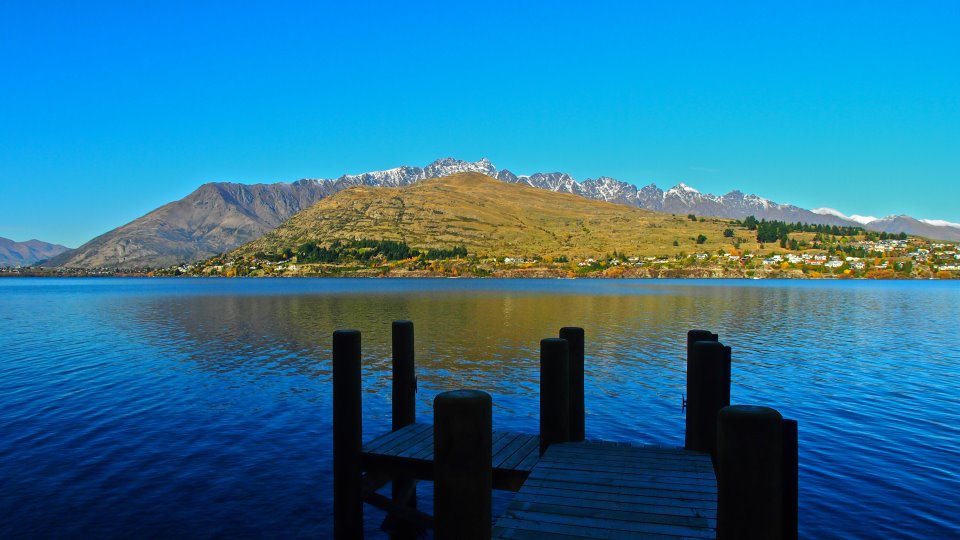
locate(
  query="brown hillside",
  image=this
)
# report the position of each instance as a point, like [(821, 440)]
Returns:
[(490, 218)]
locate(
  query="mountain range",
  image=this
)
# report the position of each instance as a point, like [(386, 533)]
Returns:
[(27, 253), (221, 216), (489, 218)]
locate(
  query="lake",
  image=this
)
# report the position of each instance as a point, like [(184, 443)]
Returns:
[(201, 408)]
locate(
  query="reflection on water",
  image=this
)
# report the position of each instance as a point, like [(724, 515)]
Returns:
[(202, 407)]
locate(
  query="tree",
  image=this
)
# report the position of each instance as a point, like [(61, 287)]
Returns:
[(728, 233), (692, 217), (676, 243), (701, 239)]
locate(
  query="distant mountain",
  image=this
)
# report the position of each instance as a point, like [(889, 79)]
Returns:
[(27, 253), (929, 228), (489, 218), (215, 218), (218, 217)]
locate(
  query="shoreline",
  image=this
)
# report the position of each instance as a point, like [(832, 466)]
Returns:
[(519, 273)]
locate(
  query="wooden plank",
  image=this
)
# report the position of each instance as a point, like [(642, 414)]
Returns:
[(408, 434), (414, 449), (377, 445), (601, 468), (705, 508), (378, 441), (531, 459), (506, 533), (673, 455), (508, 450), (517, 508), (412, 436), (631, 463), (554, 530), (401, 449), (583, 519), (501, 443), (617, 490), (613, 480), (650, 505), (586, 449), (513, 462), (679, 463)]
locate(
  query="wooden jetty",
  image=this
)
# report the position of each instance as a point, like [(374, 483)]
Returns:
[(735, 477)]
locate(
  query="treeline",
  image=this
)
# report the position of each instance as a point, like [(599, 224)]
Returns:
[(361, 250), (779, 231), (771, 231)]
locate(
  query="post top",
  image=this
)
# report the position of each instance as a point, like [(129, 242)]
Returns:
[(463, 396), (746, 412), (346, 332), (576, 330)]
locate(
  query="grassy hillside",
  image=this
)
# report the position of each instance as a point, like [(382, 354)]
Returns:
[(491, 219)]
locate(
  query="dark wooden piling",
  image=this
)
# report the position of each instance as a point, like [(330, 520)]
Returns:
[(575, 340), (791, 500), (705, 395), (749, 473), (727, 366), (694, 336), (403, 488), (463, 474), (404, 375), (347, 436), (554, 392)]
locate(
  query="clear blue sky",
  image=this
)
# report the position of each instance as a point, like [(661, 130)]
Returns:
[(108, 110)]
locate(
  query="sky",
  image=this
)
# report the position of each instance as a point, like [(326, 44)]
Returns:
[(109, 110)]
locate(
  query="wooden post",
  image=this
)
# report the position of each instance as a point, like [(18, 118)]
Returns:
[(404, 375), (791, 460), (403, 489), (705, 394), (462, 465), (347, 436), (749, 473), (554, 392), (694, 336), (575, 339), (727, 366)]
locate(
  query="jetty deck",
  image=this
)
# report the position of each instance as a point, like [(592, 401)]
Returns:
[(565, 486), (588, 489), (614, 491), (409, 450)]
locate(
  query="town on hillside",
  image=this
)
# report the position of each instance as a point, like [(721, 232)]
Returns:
[(751, 249)]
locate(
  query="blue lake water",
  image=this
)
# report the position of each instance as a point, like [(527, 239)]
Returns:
[(201, 408)]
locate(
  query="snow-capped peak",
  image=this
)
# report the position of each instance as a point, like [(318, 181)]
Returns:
[(863, 220), (682, 188), (940, 223), (829, 212)]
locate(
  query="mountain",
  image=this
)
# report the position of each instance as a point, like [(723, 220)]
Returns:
[(929, 228), (214, 218), (27, 253), (218, 217), (489, 218)]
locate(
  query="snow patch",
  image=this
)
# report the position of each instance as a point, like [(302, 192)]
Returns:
[(940, 223), (863, 220)]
